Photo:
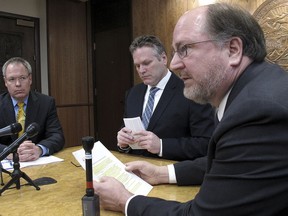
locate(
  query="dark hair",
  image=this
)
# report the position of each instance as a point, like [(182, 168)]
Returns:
[(147, 41), (17, 60), (225, 21)]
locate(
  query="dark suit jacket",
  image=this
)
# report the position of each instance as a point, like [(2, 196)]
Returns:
[(248, 154), (184, 126), (40, 109)]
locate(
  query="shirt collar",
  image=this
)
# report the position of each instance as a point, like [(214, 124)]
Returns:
[(15, 101), (221, 108), (162, 83)]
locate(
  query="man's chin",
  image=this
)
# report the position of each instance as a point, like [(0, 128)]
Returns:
[(191, 94), (19, 96)]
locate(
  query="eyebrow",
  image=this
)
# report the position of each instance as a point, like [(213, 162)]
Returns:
[(177, 44)]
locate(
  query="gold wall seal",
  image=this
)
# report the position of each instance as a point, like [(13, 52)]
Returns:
[(272, 16)]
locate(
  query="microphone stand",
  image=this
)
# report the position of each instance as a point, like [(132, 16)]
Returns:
[(90, 201), (17, 174)]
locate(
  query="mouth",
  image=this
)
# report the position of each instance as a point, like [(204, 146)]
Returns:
[(19, 92), (184, 78), (145, 77)]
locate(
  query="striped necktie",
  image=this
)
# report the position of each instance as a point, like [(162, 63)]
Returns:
[(149, 107), (21, 117)]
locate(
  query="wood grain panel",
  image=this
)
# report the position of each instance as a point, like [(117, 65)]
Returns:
[(67, 44), (156, 17), (70, 77), (74, 121)]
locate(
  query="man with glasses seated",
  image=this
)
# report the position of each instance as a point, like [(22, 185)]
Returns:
[(20, 104)]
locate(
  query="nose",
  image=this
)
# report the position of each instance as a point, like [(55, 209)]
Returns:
[(176, 63), (141, 69), (17, 82)]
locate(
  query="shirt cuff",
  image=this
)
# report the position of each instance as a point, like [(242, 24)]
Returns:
[(127, 203), (45, 150), (124, 150), (172, 175), (160, 152)]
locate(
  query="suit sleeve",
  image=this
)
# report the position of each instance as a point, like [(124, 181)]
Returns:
[(191, 172), (52, 135), (201, 126), (247, 167), (142, 206)]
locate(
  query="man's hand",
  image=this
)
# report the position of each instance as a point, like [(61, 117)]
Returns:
[(151, 173), (28, 151), (148, 140), (113, 195), (125, 137)]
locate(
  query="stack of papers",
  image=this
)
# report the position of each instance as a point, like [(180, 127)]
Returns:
[(8, 164), (104, 163), (136, 125)]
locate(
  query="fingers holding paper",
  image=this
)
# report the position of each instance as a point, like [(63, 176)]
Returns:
[(125, 137), (148, 140), (150, 173), (113, 195)]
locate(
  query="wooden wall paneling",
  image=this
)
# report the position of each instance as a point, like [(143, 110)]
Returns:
[(156, 17), (90, 86), (174, 10), (74, 122), (69, 65), (249, 5), (67, 52)]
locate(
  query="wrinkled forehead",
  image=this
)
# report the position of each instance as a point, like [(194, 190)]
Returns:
[(190, 26)]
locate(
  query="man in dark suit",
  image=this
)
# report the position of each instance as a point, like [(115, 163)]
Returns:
[(38, 108), (220, 53), (178, 129)]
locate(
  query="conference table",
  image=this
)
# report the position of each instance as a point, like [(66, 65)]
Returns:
[(64, 196)]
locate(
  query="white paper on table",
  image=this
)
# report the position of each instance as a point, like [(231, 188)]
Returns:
[(8, 164), (104, 163), (134, 124)]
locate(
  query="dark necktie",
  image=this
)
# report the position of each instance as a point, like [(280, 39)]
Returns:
[(149, 107)]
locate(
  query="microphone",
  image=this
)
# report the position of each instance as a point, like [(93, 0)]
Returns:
[(11, 129), (90, 201), (31, 131)]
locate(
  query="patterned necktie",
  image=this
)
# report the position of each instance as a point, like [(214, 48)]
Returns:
[(21, 117), (149, 107)]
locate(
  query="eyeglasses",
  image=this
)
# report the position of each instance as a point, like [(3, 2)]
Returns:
[(13, 80), (182, 51)]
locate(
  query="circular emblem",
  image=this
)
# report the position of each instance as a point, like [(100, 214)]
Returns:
[(272, 16)]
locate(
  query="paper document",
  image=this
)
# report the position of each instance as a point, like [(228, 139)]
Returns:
[(8, 164), (134, 124), (104, 163)]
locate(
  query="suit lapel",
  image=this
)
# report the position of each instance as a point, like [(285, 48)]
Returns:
[(165, 99), (242, 81), (138, 106), (8, 113), (247, 76), (8, 110), (32, 109)]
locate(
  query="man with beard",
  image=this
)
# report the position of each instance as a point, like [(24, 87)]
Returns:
[(220, 54)]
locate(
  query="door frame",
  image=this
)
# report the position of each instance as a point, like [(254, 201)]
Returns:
[(36, 82)]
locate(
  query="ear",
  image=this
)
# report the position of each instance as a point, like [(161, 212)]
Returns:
[(164, 58), (5, 82), (235, 51)]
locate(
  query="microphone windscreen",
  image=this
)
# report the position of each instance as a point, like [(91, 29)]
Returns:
[(32, 130), (16, 128), (88, 143)]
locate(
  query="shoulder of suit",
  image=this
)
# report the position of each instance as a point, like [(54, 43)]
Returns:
[(38, 95)]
